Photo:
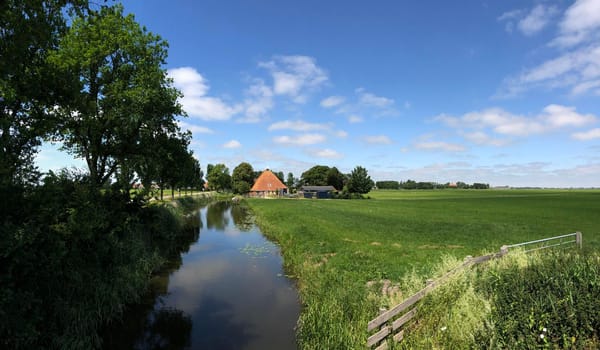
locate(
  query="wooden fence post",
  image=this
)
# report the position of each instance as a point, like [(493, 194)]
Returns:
[(579, 239)]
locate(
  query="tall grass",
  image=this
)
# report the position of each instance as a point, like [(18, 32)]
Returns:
[(539, 300)]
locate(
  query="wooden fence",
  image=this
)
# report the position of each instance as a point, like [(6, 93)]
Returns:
[(387, 323)]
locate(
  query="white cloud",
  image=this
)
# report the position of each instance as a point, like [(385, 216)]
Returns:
[(557, 116), (580, 23), (577, 69), (537, 19), (439, 146), (300, 140), (369, 99), (195, 129), (473, 125), (332, 101), (378, 140), (509, 17), (298, 125), (295, 76), (587, 135), (355, 119), (232, 144), (258, 103), (194, 101), (341, 134), (325, 153), (483, 139)]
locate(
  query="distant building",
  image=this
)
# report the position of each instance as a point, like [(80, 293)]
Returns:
[(452, 185), (318, 192), (268, 185)]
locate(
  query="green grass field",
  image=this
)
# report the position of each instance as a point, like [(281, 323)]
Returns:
[(334, 247)]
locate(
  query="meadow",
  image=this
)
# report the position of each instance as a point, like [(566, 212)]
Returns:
[(336, 248)]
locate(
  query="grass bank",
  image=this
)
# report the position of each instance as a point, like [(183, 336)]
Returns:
[(335, 247)]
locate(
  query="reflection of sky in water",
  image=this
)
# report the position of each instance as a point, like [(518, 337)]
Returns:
[(236, 300)]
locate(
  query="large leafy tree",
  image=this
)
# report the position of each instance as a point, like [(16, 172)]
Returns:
[(360, 181), (124, 101), (242, 178), (335, 178), (315, 176), (29, 88), (218, 178)]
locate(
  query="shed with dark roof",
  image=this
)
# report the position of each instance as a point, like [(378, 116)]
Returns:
[(318, 192)]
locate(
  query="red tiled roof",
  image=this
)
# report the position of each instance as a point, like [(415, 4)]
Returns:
[(267, 181)]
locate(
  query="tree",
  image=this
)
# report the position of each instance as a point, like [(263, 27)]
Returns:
[(219, 178), (359, 181), (279, 175), (290, 182), (29, 89), (315, 176), (387, 185), (124, 101), (242, 178), (335, 178)]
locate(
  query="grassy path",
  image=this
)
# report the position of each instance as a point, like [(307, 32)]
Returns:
[(334, 247)]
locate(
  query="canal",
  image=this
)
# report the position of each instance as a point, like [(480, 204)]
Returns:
[(228, 291)]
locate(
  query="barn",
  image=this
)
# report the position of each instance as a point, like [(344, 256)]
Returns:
[(268, 185)]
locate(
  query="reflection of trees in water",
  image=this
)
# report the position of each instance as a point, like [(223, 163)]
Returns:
[(146, 328), (142, 327), (241, 218), (215, 326), (169, 329), (215, 215)]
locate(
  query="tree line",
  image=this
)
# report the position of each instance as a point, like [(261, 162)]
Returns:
[(243, 177), (414, 185)]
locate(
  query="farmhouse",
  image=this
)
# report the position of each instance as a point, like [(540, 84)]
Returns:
[(316, 191), (268, 185)]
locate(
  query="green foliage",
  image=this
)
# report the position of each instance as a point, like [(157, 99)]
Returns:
[(360, 181), (315, 176), (290, 182), (75, 260), (335, 178), (387, 185), (122, 97), (29, 87), (552, 301), (218, 177), (242, 178)]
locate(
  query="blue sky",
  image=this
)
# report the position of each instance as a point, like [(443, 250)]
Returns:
[(502, 92)]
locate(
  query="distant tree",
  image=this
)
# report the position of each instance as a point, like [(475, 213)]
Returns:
[(315, 176), (409, 185), (462, 185), (360, 181), (335, 178), (242, 178), (387, 185), (480, 186), (290, 182), (279, 175), (425, 185), (219, 178)]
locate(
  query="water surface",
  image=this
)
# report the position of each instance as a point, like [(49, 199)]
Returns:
[(228, 291)]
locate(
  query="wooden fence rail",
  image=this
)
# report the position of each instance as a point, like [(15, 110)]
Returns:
[(385, 321)]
